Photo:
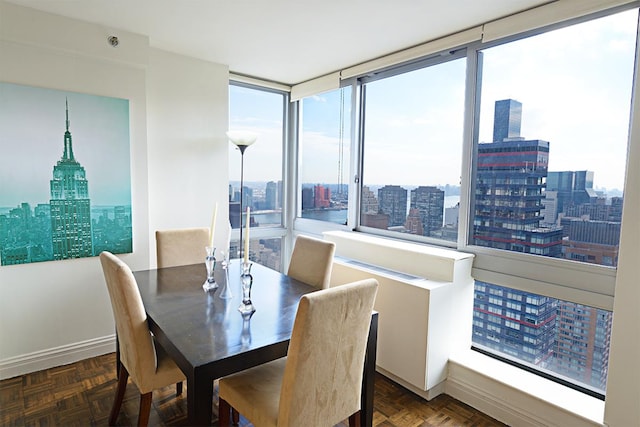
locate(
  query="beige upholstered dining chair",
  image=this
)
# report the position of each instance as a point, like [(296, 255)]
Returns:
[(147, 364), (181, 246), (319, 383), (312, 261)]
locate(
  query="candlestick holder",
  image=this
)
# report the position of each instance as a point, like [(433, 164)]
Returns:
[(225, 290), (210, 262), (247, 281)]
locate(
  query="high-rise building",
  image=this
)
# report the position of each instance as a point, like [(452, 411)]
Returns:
[(595, 242), (321, 196), (247, 196), (271, 196), (429, 201), (392, 201), (70, 205), (514, 323), (413, 225), (549, 211), (572, 188), (307, 198), (506, 120), (509, 190), (615, 213), (562, 336), (582, 343), (368, 202)]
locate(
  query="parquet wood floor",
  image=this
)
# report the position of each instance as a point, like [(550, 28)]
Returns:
[(81, 394)]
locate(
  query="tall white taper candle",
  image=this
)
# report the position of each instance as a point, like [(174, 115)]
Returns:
[(213, 223)]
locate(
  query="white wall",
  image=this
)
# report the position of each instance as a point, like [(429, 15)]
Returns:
[(187, 146), (58, 312)]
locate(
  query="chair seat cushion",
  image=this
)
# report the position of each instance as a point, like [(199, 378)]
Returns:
[(255, 392)]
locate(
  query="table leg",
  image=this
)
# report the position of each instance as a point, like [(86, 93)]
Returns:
[(199, 399), (368, 379)]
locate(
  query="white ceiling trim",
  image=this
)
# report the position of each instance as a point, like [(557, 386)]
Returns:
[(548, 14), (259, 82), (416, 52), (315, 86)]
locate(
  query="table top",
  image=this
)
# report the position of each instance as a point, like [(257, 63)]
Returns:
[(199, 328)]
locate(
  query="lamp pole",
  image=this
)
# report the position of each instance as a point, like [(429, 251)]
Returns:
[(240, 242), (242, 139)]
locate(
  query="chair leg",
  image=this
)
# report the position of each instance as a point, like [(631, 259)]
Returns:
[(179, 388), (235, 417), (355, 420), (223, 413), (145, 409), (123, 376)]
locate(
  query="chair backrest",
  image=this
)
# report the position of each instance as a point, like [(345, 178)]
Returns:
[(181, 246), (312, 261), (137, 351), (322, 380)]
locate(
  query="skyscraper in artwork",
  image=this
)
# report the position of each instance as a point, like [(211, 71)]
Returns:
[(70, 205)]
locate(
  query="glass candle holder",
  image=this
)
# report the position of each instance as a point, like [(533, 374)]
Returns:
[(210, 262), (225, 289), (247, 281)]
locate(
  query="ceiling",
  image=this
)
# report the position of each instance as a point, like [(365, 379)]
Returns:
[(286, 41)]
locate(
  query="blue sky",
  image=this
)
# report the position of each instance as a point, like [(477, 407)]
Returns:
[(32, 127)]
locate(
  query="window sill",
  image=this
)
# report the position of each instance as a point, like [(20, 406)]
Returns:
[(518, 395)]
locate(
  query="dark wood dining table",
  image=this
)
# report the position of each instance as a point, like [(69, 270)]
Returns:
[(209, 338)]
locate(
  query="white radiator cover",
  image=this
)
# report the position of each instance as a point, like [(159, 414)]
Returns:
[(418, 329)]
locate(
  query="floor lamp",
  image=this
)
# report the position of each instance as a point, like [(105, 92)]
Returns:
[(242, 139)]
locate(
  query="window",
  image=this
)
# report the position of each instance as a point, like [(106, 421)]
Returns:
[(412, 151), (551, 155), (549, 178), (550, 342), (540, 123), (263, 112), (325, 146)]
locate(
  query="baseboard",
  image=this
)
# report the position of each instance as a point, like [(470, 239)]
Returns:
[(425, 394), (518, 405), (490, 405), (57, 356)]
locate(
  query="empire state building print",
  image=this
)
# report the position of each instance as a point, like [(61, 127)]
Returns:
[(70, 205), (48, 212)]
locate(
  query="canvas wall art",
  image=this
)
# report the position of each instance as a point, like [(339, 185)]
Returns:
[(65, 175)]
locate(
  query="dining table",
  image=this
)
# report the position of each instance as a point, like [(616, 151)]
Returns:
[(209, 338)]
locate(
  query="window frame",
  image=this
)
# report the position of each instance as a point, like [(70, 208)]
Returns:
[(432, 60), (281, 231), (583, 283)]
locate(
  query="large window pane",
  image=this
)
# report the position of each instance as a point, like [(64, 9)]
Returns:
[(412, 151), (262, 112), (550, 165), (559, 338), (554, 122), (325, 155)]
